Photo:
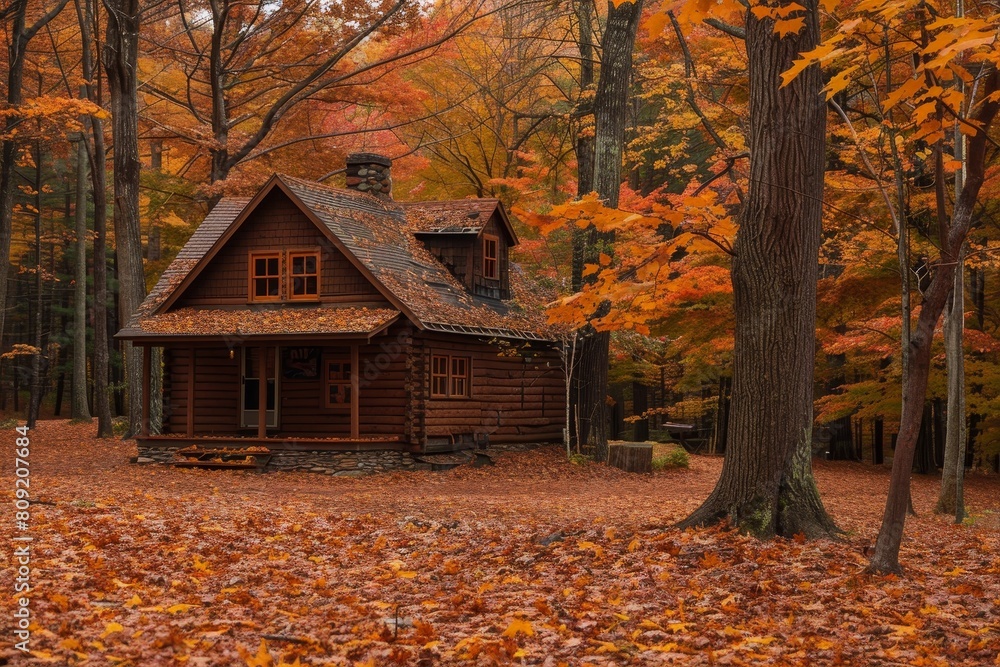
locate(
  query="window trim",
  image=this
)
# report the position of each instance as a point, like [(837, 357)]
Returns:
[(252, 276), (303, 252), (487, 238), (449, 376), (347, 382)]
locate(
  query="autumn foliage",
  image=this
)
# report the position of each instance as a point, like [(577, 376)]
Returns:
[(512, 564)]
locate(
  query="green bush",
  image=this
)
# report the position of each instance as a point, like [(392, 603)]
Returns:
[(10, 422), (678, 458), (579, 459)]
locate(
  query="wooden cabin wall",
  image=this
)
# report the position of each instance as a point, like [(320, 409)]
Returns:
[(512, 400), (277, 224), (216, 395), (385, 381)]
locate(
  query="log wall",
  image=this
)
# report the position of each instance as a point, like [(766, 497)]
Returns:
[(513, 399)]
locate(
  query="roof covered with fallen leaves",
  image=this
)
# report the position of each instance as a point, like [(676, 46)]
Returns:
[(380, 236), (465, 216), (264, 322)]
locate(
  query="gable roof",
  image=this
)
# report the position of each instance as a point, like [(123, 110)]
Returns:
[(378, 237)]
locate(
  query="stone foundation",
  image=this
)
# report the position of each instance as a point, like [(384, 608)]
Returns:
[(342, 464)]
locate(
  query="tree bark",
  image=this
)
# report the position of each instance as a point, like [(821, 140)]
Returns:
[(885, 558), (87, 17), (766, 487), (80, 409), (39, 361), (954, 451), (610, 109), (120, 62)]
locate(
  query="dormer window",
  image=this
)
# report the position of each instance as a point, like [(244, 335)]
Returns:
[(303, 275), (491, 257), (265, 276)]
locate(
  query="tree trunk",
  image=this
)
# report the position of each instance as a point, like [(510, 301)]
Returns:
[(8, 147), (80, 410), (766, 487), (640, 403), (39, 362), (954, 451), (610, 108), (885, 558), (86, 14), (120, 62)]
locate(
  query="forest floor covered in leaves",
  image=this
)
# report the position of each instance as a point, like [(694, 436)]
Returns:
[(533, 561)]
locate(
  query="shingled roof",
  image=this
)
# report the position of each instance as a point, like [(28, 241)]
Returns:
[(379, 235), (463, 216)]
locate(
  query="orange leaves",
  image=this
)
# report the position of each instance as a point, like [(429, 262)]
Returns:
[(519, 626)]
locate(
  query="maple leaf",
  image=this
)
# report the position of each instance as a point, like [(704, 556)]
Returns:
[(519, 626)]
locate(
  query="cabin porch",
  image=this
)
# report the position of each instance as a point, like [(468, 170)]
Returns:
[(293, 395)]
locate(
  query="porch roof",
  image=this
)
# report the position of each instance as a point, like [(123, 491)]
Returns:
[(189, 323)]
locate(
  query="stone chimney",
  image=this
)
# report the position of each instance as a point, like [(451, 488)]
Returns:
[(370, 172)]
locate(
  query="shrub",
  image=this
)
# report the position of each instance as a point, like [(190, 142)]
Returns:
[(677, 458)]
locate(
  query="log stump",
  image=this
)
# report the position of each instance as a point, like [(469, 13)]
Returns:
[(631, 456)]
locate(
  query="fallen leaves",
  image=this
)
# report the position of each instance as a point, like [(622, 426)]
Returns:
[(459, 568)]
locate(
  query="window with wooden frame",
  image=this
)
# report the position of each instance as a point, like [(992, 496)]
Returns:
[(265, 276), (338, 383), (450, 376), (491, 257), (303, 274)]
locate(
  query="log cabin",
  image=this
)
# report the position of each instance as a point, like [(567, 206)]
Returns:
[(325, 320)]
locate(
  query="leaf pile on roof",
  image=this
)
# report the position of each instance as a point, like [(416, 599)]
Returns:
[(449, 217), (205, 322)]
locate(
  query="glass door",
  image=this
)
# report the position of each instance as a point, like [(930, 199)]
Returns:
[(250, 387)]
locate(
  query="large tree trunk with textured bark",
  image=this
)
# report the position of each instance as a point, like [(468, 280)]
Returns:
[(885, 558), (590, 413), (766, 487), (86, 11), (120, 62)]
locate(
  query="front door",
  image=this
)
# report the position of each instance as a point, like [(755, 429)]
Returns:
[(250, 387)]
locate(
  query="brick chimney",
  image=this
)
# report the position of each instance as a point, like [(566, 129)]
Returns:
[(370, 172)]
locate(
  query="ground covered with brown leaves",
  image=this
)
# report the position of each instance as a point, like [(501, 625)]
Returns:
[(534, 561)]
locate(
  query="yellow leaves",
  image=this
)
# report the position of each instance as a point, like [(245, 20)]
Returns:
[(201, 565), (262, 658), (399, 571), (111, 628), (519, 626), (133, 602), (903, 630), (785, 27), (180, 608)]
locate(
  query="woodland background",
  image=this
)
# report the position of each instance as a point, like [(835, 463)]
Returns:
[(488, 99)]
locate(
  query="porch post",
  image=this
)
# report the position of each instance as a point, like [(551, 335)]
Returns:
[(189, 428), (355, 399), (262, 394), (147, 353)]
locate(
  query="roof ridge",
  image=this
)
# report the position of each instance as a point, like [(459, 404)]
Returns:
[(388, 205)]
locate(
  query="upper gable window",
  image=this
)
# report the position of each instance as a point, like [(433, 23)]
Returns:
[(303, 275), (491, 257), (265, 276)]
